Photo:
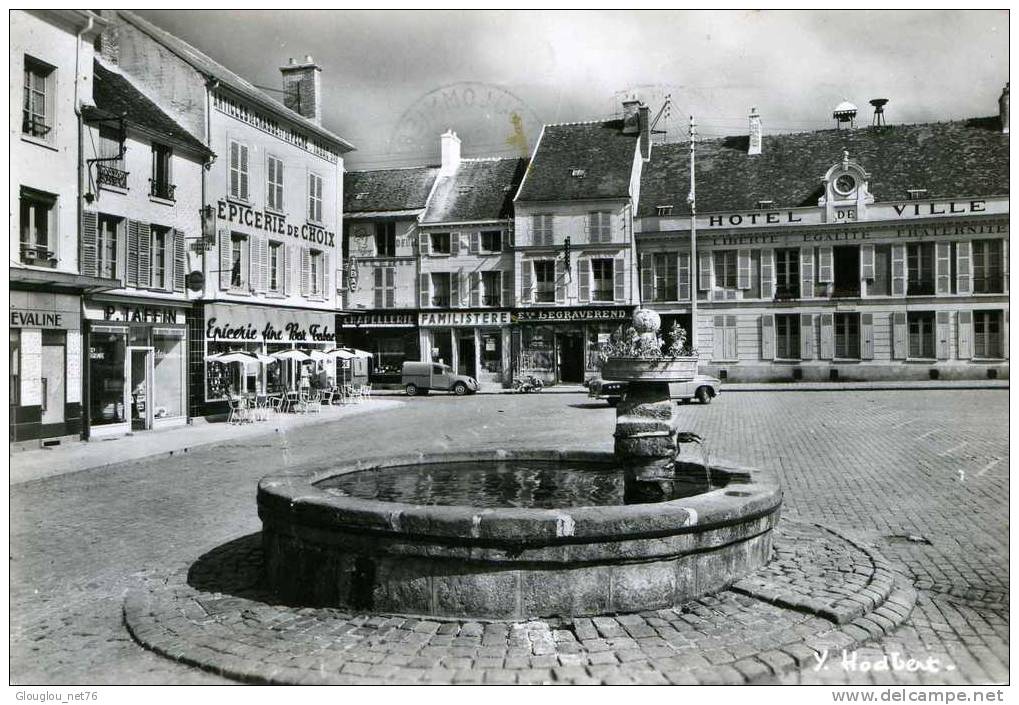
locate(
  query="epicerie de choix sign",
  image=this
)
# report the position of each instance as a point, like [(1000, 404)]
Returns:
[(249, 324), (273, 223)]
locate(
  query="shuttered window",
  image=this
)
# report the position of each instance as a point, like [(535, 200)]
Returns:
[(599, 226), (316, 274), (847, 336), (491, 286), (161, 257), (441, 289), (38, 227), (385, 287), (491, 241), (544, 278), (987, 334), (665, 284), (275, 273), (542, 229), (920, 269), (602, 278), (37, 107), (314, 197), (988, 273), (274, 183), (787, 274), (238, 261), (239, 170), (787, 336), (108, 246), (921, 334)]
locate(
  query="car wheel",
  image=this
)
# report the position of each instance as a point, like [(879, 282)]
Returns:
[(459, 389), (412, 390), (704, 395)]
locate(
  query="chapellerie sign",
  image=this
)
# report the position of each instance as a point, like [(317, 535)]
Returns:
[(253, 324)]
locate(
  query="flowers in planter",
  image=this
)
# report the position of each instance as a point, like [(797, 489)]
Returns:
[(626, 341)]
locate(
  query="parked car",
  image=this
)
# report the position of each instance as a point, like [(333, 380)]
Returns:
[(702, 388), (423, 377)]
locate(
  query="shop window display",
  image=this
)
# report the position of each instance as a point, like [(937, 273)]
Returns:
[(169, 373), (537, 350), (107, 351)]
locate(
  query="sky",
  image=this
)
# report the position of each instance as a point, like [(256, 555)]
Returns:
[(393, 81)]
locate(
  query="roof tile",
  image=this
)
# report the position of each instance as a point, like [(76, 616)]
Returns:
[(480, 189)]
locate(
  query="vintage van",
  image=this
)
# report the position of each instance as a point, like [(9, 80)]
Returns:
[(423, 377)]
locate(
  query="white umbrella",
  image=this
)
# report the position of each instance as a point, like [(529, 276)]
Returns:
[(318, 355), (291, 355), (359, 353), (226, 358), (341, 353), (263, 358)]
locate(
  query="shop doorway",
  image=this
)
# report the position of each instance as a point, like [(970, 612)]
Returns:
[(466, 363), (53, 384), (571, 357), (139, 386), (491, 357)]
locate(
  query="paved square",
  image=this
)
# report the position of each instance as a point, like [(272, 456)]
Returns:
[(920, 475)]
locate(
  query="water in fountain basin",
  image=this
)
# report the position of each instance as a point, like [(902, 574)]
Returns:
[(510, 483)]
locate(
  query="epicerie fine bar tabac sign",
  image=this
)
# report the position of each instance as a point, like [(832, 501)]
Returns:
[(254, 324), (460, 319)]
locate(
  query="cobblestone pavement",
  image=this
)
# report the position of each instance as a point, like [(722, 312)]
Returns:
[(920, 475)]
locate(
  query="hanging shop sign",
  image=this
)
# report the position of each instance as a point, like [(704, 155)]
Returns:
[(461, 319), (273, 223), (379, 320), (572, 315), (255, 324)]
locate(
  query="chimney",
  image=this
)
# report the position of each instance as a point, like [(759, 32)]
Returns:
[(756, 136), (450, 153), (644, 124), (302, 88), (107, 43), (1003, 109), (630, 119)]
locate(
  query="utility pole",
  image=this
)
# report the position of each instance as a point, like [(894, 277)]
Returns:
[(694, 268)]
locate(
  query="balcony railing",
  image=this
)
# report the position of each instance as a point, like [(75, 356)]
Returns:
[(32, 253), (994, 284), (111, 176), (33, 127), (923, 287), (786, 293), (161, 189), (845, 291)]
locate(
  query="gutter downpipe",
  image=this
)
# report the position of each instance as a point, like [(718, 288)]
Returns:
[(85, 425), (692, 200)]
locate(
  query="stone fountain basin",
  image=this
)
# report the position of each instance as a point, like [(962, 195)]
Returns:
[(321, 549)]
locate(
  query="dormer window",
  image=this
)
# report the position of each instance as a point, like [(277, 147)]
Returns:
[(915, 194), (664, 210), (765, 205), (578, 173), (465, 189)]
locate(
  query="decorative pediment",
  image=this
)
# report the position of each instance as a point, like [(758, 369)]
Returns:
[(846, 191)]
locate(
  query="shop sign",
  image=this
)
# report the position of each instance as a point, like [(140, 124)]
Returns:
[(571, 315), (379, 320), (272, 223), (32, 310), (253, 324), (134, 313), (460, 319), (36, 319)]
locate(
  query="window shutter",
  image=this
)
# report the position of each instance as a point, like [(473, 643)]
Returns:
[(718, 339), (900, 337), (328, 288), (379, 288), (684, 277), (1004, 337), (132, 253), (89, 253), (704, 271), (767, 274), (180, 262), (806, 272), (144, 255), (305, 271), (964, 321), (584, 279), (963, 271), (1004, 264), (731, 332), (224, 256), (454, 244), (806, 336), (647, 278), (560, 282), (619, 274), (121, 253), (424, 290), (244, 171), (507, 287), (526, 276), (475, 278), (235, 162), (898, 270), (866, 261), (454, 289), (827, 337), (743, 269), (943, 267), (390, 287), (824, 265), (291, 267), (767, 337), (475, 243), (866, 336), (254, 271), (425, 242), (944, 331)]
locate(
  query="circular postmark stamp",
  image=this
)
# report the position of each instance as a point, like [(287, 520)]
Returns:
[(488, 119)]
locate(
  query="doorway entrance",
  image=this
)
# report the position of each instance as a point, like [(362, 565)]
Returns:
[(465, 362), (571, 357), (139, 387), (53, 383)]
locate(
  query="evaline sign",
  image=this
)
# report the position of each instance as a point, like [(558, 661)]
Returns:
[(273, 223), (253, 324)]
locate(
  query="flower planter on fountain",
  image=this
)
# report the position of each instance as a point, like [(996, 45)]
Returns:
[(637, 369)]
